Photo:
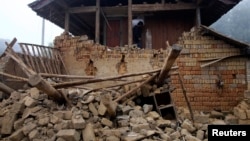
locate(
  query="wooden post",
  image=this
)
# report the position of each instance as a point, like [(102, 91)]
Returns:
[(185, 96), (169, 61), (97, 22), (6, 89), (198, 16), (37, 81), (130, 28), (66, 22)]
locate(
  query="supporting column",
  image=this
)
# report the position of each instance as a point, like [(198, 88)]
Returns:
[(66, 22), (198, 16), (130, 33), (97, 22)]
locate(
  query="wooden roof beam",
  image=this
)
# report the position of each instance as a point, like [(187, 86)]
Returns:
[(136, 7), (161, 7)]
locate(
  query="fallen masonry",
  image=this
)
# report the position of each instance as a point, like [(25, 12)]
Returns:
[(46, 120)]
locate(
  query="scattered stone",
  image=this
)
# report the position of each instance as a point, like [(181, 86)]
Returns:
[(106, 122), (69, 135), (78, 122)]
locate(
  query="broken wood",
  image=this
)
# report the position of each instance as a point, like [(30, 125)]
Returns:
[(185, 96), (218, 59), (37, 81), (66, 76), (9, 46), (13, 76), (136, 88), (81, 82), (169, 61), (6, 89)]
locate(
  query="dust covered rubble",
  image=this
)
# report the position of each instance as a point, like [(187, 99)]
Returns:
[(28, 115)]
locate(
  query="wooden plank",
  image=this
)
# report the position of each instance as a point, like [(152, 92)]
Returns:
[(25, 55), (161, 7), (52, 61), (81, 82), (67, 76), (30, 57), (218, 60), (45, 57), (42, 60), (55, 60), (35, 57), (136, 8), (14, 77)]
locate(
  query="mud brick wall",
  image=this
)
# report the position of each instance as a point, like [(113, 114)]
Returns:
[(78, 51), (201, 82)]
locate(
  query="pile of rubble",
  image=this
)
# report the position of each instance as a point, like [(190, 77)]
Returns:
[(30, 115)]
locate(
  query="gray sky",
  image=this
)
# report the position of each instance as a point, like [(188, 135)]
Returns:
[(18, 20)]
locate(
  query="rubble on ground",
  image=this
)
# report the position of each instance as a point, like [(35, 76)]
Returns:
[(30, 115)]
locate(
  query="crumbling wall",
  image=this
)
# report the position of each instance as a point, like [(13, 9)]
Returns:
[(217, 86), (84, 57), (7, 65)]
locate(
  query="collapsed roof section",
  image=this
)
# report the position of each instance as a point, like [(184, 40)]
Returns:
[(82, 13)]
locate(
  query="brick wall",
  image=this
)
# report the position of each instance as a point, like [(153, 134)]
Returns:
[(201, 82), (78, 50)]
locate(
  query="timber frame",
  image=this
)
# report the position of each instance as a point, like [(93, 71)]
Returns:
[(89, 17)]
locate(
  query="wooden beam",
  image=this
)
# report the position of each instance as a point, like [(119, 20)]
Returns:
[(198, 16), (66, 22), (161, 7), (135, 8), (97, 22), (130, 28), (65, 76), (6, 89), (169, 61), (81, 82), (82, 9)]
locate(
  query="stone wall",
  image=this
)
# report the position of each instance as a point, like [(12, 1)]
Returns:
[(203, 83)]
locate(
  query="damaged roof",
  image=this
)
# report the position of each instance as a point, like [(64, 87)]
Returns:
[(82, 20), (244, 47)]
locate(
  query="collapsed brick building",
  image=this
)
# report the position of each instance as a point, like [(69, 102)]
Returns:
[(207, 72)]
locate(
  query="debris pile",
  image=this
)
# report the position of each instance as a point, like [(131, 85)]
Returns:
[(31, 115)]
